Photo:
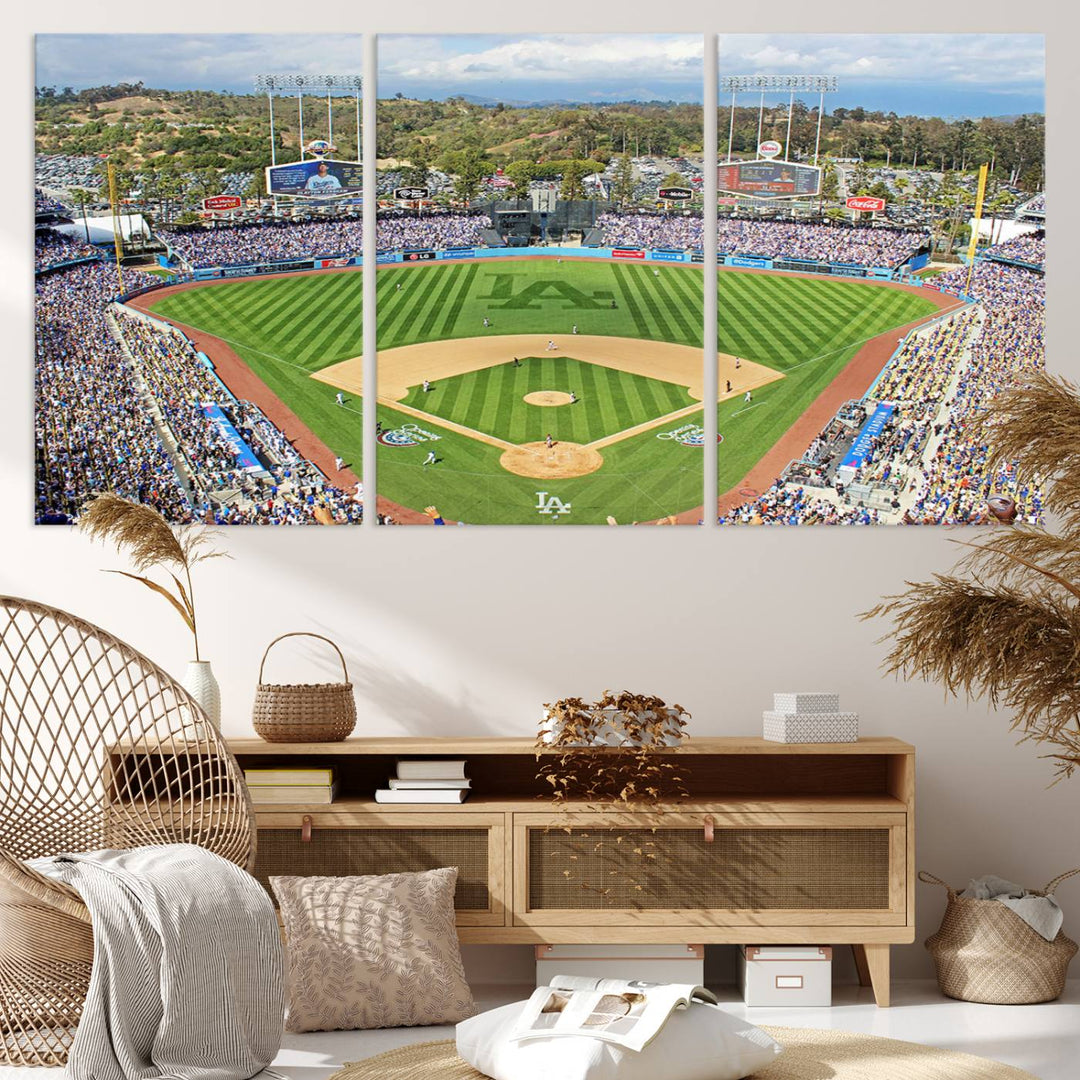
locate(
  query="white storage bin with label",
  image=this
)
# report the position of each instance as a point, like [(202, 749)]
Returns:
[(782, 976), (641, 963)]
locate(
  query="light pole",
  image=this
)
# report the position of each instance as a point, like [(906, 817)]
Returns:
[(771, 84)]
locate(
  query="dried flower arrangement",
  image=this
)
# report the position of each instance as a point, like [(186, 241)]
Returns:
[(614, 754), (151, 542), (1008, 628)]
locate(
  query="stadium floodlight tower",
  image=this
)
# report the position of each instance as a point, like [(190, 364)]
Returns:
[(774, 84), (309, 84)]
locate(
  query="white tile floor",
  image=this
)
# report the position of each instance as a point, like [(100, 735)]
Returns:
[(1044, 1039)]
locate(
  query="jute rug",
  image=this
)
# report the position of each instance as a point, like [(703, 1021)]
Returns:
[(808, 1055)]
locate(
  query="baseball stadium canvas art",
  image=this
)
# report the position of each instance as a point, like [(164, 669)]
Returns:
[(881, 246), (197, 265), (533, 369)]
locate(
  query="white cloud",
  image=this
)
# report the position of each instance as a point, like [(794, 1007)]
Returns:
[(207, 61), (548, 58), (974, 60)]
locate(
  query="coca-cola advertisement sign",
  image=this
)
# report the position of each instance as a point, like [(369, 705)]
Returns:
[(868, 203)]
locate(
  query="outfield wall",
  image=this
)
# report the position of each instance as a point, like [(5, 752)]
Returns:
[(617, 254)]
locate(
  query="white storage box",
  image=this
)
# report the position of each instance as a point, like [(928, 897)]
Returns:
[(645, 963), (804, 703), (811, 728), (782, 976)]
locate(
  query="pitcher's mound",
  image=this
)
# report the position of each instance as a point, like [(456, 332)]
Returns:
[(547, 397), (563, 460)]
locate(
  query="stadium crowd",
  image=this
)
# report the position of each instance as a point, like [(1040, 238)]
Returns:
[(827, 243), (651, 231), (46, 204), (95, 420), (91, 431), (768, 239), (784, 504), (52, 248), (1028, 249), (284, 490), (435, 231), (928, 463), (234, 245), (1009, 344)]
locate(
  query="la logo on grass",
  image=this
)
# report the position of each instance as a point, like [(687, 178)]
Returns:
[(533, 295), (551, 504)]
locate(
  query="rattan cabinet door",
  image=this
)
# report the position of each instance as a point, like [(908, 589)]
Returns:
[(344, 844), (790, 869)]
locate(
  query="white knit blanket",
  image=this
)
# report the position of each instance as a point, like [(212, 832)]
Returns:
[(187, 977)]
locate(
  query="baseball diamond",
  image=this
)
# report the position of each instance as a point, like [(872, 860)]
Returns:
[(627, 447)]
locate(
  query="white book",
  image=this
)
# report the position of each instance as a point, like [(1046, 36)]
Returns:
[(431, 770), (430, 795), (429, 785)]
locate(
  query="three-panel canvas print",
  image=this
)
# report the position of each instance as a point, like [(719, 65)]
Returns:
[(543, 217)]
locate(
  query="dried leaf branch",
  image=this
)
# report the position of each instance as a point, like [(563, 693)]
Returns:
[(1008, 630), (641, 773), (150, 542)]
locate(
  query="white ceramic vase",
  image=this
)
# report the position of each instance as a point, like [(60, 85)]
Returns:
[(200, 683)]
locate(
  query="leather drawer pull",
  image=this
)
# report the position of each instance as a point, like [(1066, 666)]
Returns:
[(305, 829), (709, 836)]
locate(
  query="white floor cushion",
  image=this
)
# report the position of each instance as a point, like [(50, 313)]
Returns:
[(698, 1043)]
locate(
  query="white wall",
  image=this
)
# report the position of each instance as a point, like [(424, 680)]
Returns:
[(468, 631)]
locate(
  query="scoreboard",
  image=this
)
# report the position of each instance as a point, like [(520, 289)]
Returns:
[(321, 179), (769, 179)]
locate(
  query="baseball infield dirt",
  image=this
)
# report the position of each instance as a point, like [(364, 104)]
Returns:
[(547, 398), (560, 460)]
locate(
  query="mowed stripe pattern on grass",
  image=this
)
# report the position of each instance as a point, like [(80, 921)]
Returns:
[(492, 400), (308, 321), (786, 321), (450, 300)]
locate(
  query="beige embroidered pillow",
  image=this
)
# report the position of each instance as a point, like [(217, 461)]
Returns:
[(373, 952)]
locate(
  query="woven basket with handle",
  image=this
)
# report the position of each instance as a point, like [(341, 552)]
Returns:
[(304, 712), (985, 952)]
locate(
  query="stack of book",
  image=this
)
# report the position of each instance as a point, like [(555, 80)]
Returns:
[(298, 786), (430, 781)]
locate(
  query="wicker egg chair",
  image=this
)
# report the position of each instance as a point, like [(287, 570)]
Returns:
[(99, 748)]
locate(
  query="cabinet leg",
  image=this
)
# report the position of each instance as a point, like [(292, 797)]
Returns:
[(876, 960), (861, 965)]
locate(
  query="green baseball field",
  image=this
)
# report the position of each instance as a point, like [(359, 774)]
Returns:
[(620, 396)]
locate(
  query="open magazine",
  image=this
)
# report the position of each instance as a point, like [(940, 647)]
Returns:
[(615, 1010)]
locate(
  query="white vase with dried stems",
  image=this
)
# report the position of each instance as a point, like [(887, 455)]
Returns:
[(152, 543)]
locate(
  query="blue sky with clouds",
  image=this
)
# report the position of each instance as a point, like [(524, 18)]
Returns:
[(190, 61), (921, 74), (942, 74), (516, 67)]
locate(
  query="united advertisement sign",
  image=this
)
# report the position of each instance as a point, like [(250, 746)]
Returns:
[(322, 179), (865, 202), (769, 179)]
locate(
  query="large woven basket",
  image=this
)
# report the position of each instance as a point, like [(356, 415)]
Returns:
[(985, 952), (304, 712)]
